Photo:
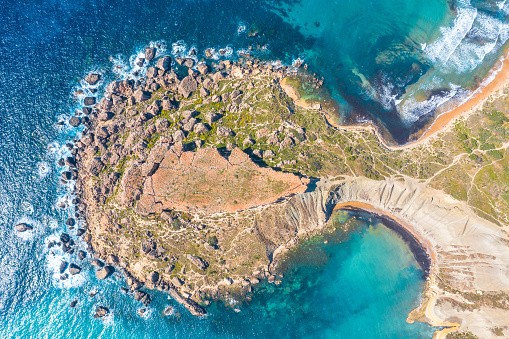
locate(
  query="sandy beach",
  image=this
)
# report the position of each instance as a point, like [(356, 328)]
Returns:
[(501, 78), (425, 310)]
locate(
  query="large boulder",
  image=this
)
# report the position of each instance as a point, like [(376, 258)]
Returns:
[(164, 63), (152, 72), (199, 262), (150, 53), (178, 136), (95, 166), (104, 272), (74, 269), (187, 86), (153, 276), (23, 227), (97, 263), (203, 68), (82, 255), (101, 311), (74, 121), (89, 101), (200, 128), (65, 238), (93, 78), (223, 131), (143, 297), (141, 96), (63, 266)]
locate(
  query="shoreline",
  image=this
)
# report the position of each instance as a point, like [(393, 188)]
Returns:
[(440, 122), (478, 97), (423, 252)]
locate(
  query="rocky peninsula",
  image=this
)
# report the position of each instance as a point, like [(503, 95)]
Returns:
[(196, 179)]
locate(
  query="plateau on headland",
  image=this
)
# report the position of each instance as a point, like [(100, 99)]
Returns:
[(196, 179)]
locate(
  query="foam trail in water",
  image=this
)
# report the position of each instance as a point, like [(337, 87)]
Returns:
[(441, 50)]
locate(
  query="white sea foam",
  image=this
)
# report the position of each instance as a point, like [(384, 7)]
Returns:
[(241, 28), (26, 208), (412, 110), (43, 169), (226, 51), (441, 49)]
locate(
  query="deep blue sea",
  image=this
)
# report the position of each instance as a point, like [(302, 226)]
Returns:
[(391, 61)]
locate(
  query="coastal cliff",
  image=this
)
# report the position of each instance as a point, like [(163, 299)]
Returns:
[(196, 180)]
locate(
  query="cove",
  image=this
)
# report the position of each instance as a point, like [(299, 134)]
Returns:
[(355, 282)]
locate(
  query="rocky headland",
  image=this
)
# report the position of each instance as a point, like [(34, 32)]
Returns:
[(196, 179)]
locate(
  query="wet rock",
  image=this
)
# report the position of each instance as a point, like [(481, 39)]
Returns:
[(70, 222), (143, 297), (82, 255), (23, 227), (64, 276), (208, 53), (74, 121), (63, 266), (74, 269), (189, 63), (164, 63), (101, 311), (93, 78), (150, 53), (89, 101), (170, 310), (104, 272), (80, 232), (65, 238), (73, 303)]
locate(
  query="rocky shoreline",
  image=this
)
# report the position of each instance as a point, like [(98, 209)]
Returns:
[(149, 109), (195, 179)]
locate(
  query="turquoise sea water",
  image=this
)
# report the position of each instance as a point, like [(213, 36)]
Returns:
[(359, 286), (391, 47), (399, 63)]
